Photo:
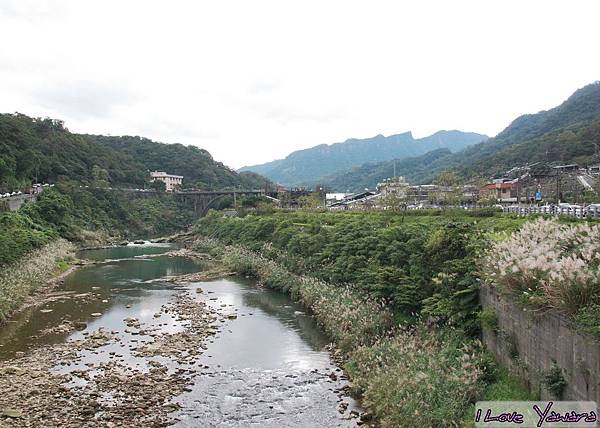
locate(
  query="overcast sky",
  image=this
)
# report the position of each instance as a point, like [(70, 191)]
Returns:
[(251, 81)]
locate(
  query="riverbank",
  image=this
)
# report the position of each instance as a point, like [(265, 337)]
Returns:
[(400, 374), (134, 349), (37, 272)]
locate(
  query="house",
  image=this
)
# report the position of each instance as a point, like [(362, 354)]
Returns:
[(171, 181), (500, 191)]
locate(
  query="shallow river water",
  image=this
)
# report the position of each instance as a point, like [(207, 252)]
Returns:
[(268, 366)]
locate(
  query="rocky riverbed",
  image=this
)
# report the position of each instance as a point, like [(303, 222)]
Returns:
[(118, 344), (81, 382)]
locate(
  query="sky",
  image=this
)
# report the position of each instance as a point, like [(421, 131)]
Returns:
[(252, 81)]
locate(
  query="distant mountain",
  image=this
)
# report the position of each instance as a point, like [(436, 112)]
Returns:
[(31, 147), (565, 134), (308, 165), (366, 176)]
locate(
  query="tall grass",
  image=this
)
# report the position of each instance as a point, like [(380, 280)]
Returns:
[(19, 279), (419, 378), (549, 264)]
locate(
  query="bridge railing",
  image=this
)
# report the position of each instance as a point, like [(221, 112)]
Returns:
[(577, 212)]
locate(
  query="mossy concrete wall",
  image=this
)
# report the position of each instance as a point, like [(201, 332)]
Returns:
[(528, 342)]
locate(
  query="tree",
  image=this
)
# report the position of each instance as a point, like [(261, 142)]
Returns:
[(158, 186), (309, 202), (100, 176), (449, 192)]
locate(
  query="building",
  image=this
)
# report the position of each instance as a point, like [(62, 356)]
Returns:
[(394, 186), (499, 191), (362, 200), (331, 198), (171, 181)]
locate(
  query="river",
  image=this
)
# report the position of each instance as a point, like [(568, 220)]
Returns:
[(266, 364)]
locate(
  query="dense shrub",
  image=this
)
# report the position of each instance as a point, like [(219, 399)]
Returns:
[(73, 211), (20, 235), (417, 265)]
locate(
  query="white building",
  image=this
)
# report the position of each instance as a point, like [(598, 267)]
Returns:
[(171, 181)]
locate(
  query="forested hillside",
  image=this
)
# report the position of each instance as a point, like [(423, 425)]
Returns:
[(366, 176), (310, 165), (44, 148), (569, 133)]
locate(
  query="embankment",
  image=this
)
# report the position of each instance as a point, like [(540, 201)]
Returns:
[(539, 346), (19, 279)]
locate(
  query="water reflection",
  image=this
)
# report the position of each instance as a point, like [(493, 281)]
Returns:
[(126, 251), (270, 332), (105, 288)]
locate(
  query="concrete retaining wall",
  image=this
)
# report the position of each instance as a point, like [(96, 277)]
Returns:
[(15, 202), (528, 343)]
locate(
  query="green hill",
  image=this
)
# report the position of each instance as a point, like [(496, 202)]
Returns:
[(44, 148)]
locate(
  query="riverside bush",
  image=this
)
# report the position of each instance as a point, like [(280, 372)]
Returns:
[(430, 376)]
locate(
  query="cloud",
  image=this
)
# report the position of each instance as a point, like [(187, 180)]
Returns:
[(82, 99), (253, 81), (30, 9)]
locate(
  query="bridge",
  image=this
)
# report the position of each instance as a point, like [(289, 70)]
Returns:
[(203, 199)]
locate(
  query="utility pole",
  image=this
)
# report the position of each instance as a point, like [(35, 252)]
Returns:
[(557, 186)]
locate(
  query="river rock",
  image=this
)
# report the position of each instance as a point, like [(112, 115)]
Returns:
[(80, 325), (11, 413)]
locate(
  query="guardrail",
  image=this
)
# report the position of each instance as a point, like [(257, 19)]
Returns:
[(578, 212)]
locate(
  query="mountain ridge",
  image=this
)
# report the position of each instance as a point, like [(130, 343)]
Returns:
[(324, 159), (569, 132)]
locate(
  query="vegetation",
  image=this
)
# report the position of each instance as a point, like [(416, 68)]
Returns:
[(19, 235), (429, 376), (554, 380), (371, 273), (417, 265), (409, 373), (311, 165), (548, 264), (350, 318), (18, 281), (90, 216), (84, 214), (33, 148)]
